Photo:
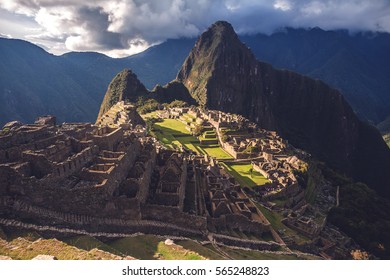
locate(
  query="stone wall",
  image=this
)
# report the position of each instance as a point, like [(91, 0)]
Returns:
[(173, 215), (240, 222), (75, 163), (107, 138), (25, 134), (250, 244)]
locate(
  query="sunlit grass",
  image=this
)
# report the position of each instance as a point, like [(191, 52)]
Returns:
[(171, 132), (241, 171)]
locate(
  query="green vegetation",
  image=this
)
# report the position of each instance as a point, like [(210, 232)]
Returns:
[(208, 138), (255, 255), (176, 252), (275, 219), (151, 115), (311, 179), (124, 86), (252, 150), (145, 105), (88, 243), (386, 137), (173, 133), (176, 103), (172, 126), (279, 202), (115, 90), (245, 175), (362, 214), (5, 131), (142, 247), (215, 151), (149, 247), (23, 248), (198, 129), (207, 252), (224, 138), (27, 245), (230, 132)]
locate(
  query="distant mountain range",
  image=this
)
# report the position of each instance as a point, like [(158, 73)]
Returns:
[(34, 82)]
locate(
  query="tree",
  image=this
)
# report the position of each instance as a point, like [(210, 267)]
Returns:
[(177, 103), (198, 129), (254, 150), (225, 138)]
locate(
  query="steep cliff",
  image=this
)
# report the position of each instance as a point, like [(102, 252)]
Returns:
[(222, 73)]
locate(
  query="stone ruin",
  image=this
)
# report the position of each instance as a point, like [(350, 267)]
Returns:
[(110, 177)]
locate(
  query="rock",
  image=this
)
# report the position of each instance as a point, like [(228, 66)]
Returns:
[(46, 120), (169, 242), (5, 258), (13, 124), (45, 258)]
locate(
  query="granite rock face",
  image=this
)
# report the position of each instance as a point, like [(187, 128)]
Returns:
[(222, 73)]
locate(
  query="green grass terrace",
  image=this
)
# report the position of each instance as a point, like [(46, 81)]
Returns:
[(244, 176), (173, 133)]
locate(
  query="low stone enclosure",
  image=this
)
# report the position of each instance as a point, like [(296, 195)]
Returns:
[(109, 177)]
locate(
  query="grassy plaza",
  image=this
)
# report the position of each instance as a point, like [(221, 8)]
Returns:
[(172, 133), (244, 176)]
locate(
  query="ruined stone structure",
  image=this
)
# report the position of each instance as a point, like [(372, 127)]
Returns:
[(229, 207), (110, 177)]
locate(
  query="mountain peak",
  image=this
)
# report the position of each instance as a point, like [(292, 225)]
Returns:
[(124, 86), (217, 54), (222, 26), (222, 73), (220, 31)]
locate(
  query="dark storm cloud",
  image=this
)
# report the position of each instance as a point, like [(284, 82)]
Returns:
[(96, 22), (120, 27)]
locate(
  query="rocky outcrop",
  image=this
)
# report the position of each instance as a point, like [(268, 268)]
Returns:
[(124, 86), (222, 73)]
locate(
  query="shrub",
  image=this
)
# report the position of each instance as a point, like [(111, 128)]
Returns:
[(225, 138), (145, 106), (177, 103), (197, 131)]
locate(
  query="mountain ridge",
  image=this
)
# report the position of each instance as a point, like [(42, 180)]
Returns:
[(224, 75), (315, 53)]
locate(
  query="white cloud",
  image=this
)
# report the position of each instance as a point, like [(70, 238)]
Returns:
[(5, 36), (283, 5), (123, 27)]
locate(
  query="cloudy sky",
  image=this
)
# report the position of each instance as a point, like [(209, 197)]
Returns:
[(123, 27)]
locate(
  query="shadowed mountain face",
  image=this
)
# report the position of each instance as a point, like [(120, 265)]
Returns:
[(356, 64), (222, 73)]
